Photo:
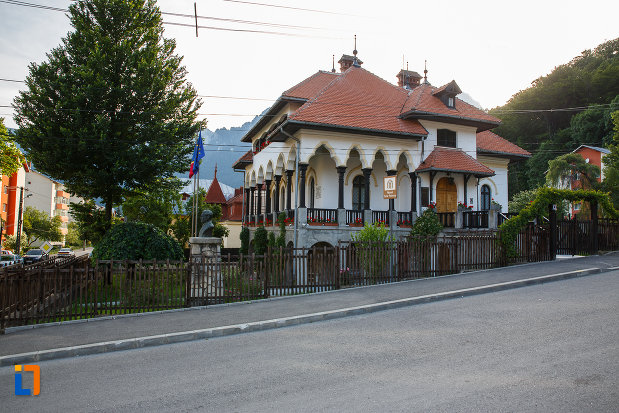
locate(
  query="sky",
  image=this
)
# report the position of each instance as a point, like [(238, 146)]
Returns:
[(492, 49)]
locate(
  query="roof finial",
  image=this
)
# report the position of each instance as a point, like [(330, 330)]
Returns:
[(425, 72), (215, 171), (333, 68), (355, 61)]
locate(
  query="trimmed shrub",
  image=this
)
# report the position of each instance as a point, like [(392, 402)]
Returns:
[(136, 240), (427, 224)]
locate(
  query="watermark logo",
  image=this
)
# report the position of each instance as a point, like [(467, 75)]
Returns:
[(36, 370)]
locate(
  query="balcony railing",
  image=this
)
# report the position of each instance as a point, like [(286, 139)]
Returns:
[(447, 219), (380, 216), (475, 219), (405, 219), (354, 217), (321, 215)]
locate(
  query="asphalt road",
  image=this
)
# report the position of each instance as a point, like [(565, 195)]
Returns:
[(551, 347)]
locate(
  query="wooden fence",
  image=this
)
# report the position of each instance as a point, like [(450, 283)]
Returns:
[(71, 289)]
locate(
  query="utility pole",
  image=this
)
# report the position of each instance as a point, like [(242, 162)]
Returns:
[(19, 219)]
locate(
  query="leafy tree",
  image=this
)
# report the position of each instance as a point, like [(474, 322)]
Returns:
[(136, 240), (90, 220), (563, 169), (156, 205), (528, 118), (109, 112), (10, 157), (10, 243), (610, 183), (521, 200), (40, 226), (427, 224), (73, 235)]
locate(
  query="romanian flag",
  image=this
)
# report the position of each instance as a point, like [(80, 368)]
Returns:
[(198, 154)]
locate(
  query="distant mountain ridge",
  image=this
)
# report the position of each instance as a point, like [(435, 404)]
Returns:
[(223, 147)]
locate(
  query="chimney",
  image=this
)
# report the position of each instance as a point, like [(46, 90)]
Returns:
[(408, 79), (346, 61)]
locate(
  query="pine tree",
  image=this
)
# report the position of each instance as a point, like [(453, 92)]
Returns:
[(110, 111)]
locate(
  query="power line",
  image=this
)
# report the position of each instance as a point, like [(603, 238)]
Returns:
[(287, 7), (40, 6)]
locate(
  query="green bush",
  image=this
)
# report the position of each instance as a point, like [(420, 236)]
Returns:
[(373, 249), (261, 240), (244, 240), (136, 240), (427, 224)]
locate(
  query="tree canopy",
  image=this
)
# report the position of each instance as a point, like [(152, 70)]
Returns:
[(109, 111), (10, 156), (40, 226), (569, 107), (571, 166)]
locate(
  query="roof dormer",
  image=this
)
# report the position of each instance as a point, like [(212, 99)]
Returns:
[(447, 93)]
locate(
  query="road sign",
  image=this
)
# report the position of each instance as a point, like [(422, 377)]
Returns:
[(46, 247), (390, 187)]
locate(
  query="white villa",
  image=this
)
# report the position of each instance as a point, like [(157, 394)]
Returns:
[(335, 136)]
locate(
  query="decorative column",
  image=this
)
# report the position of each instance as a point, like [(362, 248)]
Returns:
[(413, 177), (267, 182), (432, 174), (251, 200), (302, 170), (259, 209), (466, 182), (392, 201), (341, 171), (247, 198), (366, 175), (278, 180), (289, 189)]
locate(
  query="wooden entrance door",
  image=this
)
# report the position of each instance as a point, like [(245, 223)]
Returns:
[(446, 195)]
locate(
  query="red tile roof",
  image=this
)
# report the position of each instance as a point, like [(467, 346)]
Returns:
[(309, 87), (246, 159), (453, 160), (422, 101), (214, 195), (359, 99), (488, 141)]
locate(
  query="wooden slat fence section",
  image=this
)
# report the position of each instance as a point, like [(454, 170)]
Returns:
[(79, 290), (73, 289), (608, 235)]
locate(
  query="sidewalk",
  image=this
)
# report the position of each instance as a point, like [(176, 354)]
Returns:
[(70, 334)]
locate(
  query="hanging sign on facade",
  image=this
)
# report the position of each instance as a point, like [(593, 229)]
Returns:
[(390, 187)]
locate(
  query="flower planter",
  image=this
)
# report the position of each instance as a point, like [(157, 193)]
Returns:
[(355, 225), (330, 224), (405, 226), (315, 224)]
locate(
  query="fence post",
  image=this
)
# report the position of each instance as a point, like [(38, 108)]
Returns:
[(267, 266), (594, 226), (552, 213), (188, 283)]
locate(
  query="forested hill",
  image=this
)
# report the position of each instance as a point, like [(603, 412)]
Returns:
[(569, 107)]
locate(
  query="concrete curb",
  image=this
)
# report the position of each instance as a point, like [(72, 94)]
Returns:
[(185, 336)]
